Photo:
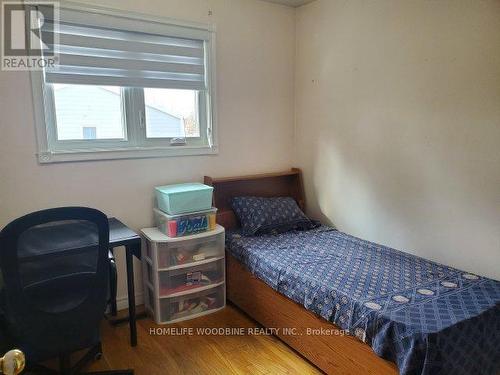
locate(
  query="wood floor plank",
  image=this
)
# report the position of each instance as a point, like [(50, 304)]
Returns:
[(197, 353)]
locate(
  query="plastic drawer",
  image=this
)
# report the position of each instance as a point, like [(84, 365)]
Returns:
[(190, 252), (185, 224), (183, 280), (166, 252), (191, 305)]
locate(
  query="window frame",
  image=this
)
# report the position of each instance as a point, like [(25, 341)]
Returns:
[(135, 144)]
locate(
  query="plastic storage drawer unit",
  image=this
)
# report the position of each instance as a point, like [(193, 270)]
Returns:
[(185, 224), (184, 277), (178, 252), (182, 198)]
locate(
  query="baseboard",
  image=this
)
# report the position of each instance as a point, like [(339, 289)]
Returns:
[(122, 302)]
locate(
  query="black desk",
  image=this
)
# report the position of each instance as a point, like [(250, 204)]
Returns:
[(121, 235)]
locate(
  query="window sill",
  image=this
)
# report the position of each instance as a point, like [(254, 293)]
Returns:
[(129, 153)]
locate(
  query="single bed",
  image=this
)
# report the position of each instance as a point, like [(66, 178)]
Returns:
[(425, 317)]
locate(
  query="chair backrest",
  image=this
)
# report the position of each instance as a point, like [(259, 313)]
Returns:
[(55, 267)]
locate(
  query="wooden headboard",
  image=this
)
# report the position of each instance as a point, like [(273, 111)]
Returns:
[(281, 184)]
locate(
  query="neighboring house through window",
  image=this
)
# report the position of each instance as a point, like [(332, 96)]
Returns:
[(83, 112)]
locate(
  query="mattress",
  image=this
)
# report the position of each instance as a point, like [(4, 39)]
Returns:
[(426, 317)]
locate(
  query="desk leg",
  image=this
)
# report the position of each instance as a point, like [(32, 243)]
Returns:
[(131, 295), (113, 284)]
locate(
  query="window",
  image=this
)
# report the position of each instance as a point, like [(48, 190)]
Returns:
[(125, 87)]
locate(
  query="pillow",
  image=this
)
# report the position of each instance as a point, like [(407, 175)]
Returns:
[(259, 215)]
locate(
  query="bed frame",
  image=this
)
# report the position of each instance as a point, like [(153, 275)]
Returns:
[(316, 339)]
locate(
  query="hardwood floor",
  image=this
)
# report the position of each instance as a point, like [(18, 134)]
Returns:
[(199, 354)]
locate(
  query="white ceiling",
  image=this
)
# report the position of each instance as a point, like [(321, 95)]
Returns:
[(291, 3)]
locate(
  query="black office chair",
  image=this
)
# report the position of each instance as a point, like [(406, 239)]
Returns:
[(55, 267)]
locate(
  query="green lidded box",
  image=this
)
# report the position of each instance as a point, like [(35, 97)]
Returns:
[(183, 198)]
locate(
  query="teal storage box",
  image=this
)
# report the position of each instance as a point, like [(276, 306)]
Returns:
[(183, 198)]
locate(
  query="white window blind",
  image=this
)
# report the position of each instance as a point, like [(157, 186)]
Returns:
[(121, 55)]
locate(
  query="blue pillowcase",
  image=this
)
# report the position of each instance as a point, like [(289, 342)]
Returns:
[(259, 215)]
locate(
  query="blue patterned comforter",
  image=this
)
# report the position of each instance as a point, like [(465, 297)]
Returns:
[(426, 317)]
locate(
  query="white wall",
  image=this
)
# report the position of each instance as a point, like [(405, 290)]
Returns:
[(398, 124), (255, 51)]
